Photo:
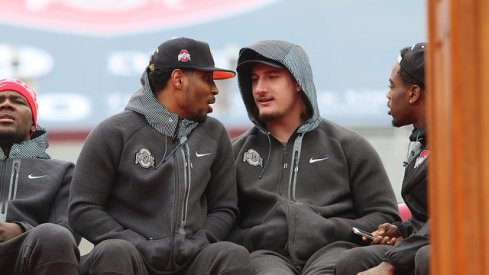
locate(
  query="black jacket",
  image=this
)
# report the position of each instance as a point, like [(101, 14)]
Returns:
[(414, 192), (34, 189)]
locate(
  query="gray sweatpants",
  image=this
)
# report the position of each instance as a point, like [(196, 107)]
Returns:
[(322, 262), (119, 257), (362, 258), (46, 249)]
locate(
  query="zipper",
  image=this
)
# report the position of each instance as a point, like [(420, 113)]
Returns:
[(295, 166), (9, 194), (187, 176), (284, 169), (175, 211), (293, 176), (3, 191), (182, 141)]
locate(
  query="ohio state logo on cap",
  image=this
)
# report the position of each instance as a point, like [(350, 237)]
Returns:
[(184, 56)]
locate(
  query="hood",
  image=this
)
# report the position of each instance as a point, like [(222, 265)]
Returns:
[(33, 148), (292, 57), (163, 121)]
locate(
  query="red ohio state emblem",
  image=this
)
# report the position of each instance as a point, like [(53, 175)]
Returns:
[(184, 56)]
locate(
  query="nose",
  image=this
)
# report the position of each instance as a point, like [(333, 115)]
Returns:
[(259, 86), (388, 95), (214, 89), (5, 102)]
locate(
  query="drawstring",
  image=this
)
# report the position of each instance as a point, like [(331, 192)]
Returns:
[(268, 156), (165, 157)]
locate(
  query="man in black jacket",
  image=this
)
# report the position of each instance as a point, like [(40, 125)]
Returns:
[(34, 234), (155, 188), (402, 248)]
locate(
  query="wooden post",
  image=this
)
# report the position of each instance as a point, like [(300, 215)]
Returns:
[(458, 121)]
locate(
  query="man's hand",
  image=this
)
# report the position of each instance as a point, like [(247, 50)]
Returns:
[(9, 230), (386, 234), (382, 269)]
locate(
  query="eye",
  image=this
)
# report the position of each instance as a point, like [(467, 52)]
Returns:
[(20, 101)]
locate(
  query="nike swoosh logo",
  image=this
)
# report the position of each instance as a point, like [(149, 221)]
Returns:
[(30, 176), (313, 160), (202, 155)]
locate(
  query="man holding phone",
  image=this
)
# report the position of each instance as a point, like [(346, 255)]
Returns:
[(401, 248)]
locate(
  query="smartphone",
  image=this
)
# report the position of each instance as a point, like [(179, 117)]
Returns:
[(363, 233)]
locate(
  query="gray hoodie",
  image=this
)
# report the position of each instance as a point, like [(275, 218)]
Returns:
[(165, 184), (34, 188), (297, 197)]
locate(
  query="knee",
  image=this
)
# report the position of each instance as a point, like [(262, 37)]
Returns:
[(52, 235), (231, 249), (349, 260), (422, 260), (116, 248), (227, 251)]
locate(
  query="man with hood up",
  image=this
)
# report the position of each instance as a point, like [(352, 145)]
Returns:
[(34, 234), (303, 181), (155, 186)]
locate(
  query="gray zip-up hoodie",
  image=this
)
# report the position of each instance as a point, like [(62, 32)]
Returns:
[(297, 197), (34, 188), (165, 184)]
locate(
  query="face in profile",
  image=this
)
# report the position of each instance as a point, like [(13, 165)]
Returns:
[(398, 99), (199, 93)]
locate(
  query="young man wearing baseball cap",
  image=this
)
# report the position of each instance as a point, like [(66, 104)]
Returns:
[(402, 248), (35, 237), (155, 188)]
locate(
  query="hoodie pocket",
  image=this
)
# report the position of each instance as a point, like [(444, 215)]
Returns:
[(309, 232), (272, 233)]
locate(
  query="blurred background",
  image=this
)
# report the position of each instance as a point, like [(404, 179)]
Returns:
[(85, 57)]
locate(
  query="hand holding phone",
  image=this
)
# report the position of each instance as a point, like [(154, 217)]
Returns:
[(362, 233)]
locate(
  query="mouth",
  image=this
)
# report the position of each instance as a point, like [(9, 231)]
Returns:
[(210, 102), (264, 100), (6, 118)]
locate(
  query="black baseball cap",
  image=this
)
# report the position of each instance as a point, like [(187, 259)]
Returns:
[(411, 60), (186, 53)]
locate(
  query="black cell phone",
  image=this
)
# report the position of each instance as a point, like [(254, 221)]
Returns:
[(363, 233)]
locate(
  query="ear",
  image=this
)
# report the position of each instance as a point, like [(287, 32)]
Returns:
[(32, 130), (298, 87), (176, 78), (414, 93)]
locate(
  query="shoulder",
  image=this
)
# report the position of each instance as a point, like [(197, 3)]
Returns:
[(214, 128), (251, 133), (60, 168), (118, 125), (337, 131)]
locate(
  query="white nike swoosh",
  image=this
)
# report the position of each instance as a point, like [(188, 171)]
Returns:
[(30, 176), (313, 160), (202, 155)]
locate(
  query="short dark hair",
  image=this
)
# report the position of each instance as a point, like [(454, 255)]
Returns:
[(408, 80), (159, 78)]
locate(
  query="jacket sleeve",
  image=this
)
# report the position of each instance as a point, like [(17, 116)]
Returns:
[(221, 192), (370, 188), (91, 187), (402, 255)]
